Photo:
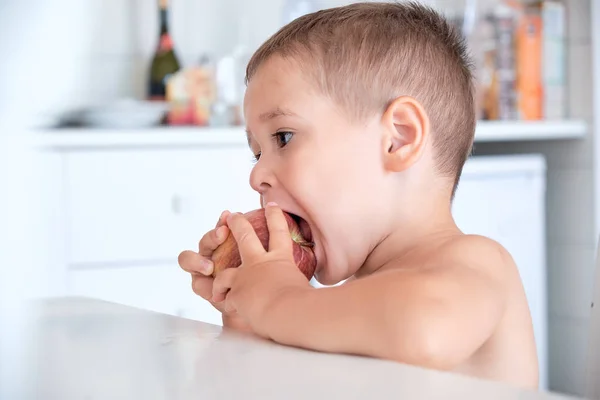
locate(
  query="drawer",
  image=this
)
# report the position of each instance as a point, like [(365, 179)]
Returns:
[(148, 205), (162, 288)]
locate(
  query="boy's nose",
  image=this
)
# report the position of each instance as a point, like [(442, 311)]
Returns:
[(261, 178)]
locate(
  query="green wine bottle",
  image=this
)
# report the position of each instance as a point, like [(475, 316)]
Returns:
[(164, 62)]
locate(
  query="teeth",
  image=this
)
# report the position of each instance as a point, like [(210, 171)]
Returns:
[(300, 221)]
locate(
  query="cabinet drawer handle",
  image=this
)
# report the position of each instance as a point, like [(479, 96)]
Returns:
[(176, 204)]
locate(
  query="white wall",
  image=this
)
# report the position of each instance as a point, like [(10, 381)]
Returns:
[(120, 37)]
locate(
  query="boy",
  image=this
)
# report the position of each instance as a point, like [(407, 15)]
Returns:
[(361, 118)]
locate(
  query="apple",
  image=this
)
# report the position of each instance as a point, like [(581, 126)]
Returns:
[(227, 254)]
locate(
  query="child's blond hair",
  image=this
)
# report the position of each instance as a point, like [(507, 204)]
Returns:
[(365, 55)]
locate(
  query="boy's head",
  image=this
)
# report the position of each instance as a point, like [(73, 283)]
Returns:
[(356, 113)]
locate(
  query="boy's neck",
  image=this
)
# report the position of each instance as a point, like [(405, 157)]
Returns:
[(433, 222)]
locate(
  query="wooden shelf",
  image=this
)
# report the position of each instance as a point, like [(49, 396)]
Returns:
[(73, 138)]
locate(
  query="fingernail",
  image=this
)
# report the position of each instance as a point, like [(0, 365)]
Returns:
[(232, 214), (221, 232), (205, 266), (272, 204)]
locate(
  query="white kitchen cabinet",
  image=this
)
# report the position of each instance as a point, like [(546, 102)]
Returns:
[(117, 217), (146, 205), (120, 211)]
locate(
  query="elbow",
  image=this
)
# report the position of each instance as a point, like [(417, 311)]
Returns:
[(425, 348)]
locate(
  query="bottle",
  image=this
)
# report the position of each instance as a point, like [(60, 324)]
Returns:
[(505, 19), (165, 62), (554, 58), (241, 56), (226, 94), (230, 80)]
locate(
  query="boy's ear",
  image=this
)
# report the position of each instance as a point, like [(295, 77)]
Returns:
[(406, 132)]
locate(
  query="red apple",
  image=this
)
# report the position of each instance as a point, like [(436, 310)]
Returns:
[(228, 256)]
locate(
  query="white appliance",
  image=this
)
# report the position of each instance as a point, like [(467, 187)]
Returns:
[(503, 198)]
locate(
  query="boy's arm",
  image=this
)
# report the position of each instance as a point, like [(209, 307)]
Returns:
[(434, 316)]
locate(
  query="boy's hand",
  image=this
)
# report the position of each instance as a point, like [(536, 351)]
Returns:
[(200, 266), (253, 288)]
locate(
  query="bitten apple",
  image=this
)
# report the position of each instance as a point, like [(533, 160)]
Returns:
[(227, 254)]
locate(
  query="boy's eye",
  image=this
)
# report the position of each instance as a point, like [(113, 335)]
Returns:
[(283, 138)]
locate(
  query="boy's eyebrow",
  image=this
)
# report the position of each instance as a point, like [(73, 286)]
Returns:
[(276, 113)]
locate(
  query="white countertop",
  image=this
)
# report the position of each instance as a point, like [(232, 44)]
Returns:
[(90, 349)]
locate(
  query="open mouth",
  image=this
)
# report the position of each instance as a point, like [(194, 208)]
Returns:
[(304, 229)]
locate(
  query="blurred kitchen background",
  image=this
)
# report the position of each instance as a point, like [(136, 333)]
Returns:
[(101, 188)]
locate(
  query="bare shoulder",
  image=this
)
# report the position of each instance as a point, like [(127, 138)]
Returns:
[(474, 246), (477, 253), (470, 264)]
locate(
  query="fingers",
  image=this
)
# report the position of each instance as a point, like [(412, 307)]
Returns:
[(212, 239), (194, 263), (222, 283), (222, 218), (215, 237), (279, 233), (248, 243), (200, 262), (202, 286), (199, 265)]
